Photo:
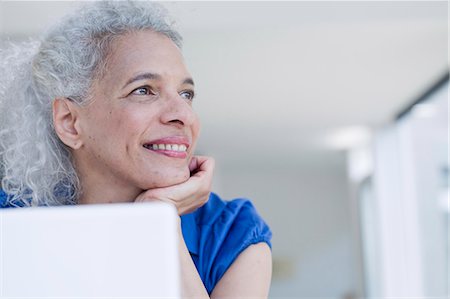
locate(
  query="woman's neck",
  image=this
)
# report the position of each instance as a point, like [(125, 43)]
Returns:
[(99, 195), (96, 188)]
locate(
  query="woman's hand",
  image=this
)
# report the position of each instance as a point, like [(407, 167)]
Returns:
[(190, 195)]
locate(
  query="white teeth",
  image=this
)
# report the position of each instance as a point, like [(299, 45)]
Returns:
[(168, 147)]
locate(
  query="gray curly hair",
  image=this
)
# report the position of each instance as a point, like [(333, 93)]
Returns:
[(35, 166)]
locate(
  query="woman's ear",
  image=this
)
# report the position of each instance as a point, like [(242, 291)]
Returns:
[(66, 122)]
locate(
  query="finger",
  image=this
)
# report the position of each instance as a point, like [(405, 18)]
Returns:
[(205, 167), (202, 178), (198, 184), (193, 193), (193, 165)]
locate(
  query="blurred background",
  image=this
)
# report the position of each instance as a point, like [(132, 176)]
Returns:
[(333, 118)]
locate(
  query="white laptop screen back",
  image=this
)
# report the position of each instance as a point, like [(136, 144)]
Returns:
[(112, 251)]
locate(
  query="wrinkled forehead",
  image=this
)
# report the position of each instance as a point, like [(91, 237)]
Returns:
[(142, 52)]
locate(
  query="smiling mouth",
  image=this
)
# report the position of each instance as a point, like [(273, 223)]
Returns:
[(166, 147), (170, 150)]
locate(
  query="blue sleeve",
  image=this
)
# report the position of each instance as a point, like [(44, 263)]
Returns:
[(226, 229), (6, 202), (3, 200)]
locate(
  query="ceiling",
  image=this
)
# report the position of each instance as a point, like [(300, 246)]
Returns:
[(283, 76)]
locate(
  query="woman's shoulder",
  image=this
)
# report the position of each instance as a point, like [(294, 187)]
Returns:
[(219, 231), (238, 213)]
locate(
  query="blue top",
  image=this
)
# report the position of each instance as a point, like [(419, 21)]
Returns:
[(216, 234)]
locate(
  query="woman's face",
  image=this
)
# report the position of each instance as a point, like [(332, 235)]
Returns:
[(140, 129)]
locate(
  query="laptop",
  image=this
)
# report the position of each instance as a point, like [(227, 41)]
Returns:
[(89, 251)]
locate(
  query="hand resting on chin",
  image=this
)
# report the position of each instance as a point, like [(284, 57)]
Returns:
[(189, 195)]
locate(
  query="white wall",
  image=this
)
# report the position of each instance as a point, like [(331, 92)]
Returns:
[(306, 206), (410, 205)]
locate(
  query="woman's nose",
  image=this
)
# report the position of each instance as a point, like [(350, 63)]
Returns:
[(178, 111)]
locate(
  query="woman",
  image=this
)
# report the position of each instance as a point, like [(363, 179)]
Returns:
[(101, 112)]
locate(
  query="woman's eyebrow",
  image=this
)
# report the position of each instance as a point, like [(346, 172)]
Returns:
[(152, 76), (189, 81), (148, 76)]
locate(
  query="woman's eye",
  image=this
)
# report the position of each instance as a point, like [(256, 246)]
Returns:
[(187, 94), (144, 90)]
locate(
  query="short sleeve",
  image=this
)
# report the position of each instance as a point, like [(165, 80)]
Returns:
[(224, 230)]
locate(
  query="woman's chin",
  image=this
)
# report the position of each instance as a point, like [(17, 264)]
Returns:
[(167, 179)]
